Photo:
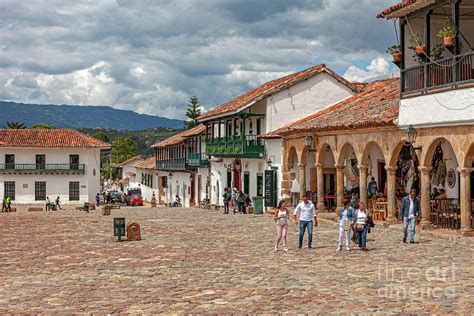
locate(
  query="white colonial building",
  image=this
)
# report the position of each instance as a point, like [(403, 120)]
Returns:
[(243, 160), (36, 163), (183, 168)]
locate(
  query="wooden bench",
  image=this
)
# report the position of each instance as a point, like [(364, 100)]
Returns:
[(35, 209), (91, 207), (106, 209), (79, 208)]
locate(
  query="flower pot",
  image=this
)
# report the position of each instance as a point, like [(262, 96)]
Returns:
[(397, 57), (420, 50), (449, 41)]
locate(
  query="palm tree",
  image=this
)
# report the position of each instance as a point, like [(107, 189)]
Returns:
[(15, 125)]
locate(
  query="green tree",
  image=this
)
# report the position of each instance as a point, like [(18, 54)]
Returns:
[(43, 126), (123, 149), (193, 112), (102, 136), (16, 125)]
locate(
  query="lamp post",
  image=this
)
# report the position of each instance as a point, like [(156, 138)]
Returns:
[(411, 136), (309, 143)]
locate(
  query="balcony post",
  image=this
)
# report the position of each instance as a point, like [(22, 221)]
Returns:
[(402, 48), (455, 19), (427, 40)]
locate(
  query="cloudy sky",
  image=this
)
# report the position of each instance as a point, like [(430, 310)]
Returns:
[(150, 56)]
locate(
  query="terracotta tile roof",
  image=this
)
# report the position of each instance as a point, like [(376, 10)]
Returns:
[(376, 105), (49, 138), (149, 163), (180, 137), (129, 160), (410, 5), (239, 103)]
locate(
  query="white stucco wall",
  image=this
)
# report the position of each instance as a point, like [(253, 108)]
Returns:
[(445, 108), (451, 163), (56, 184), (147, 191), (180, 184), (303, 99)]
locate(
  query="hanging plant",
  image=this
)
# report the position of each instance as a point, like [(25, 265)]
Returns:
[(447, 33), (396, 53), (417, 44)]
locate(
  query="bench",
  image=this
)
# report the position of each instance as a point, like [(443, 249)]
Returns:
[(106, 209), (35, 209)]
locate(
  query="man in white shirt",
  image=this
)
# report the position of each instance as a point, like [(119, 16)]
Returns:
[(307, 213)]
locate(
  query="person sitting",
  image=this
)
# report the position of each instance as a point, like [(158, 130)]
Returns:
[(177, 201), (373, 188), (442, 195)]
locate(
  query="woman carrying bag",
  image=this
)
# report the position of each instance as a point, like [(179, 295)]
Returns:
[(361, 226)]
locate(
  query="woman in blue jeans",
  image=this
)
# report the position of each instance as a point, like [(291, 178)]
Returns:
[(362, 216)]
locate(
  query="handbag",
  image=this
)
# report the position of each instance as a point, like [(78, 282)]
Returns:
[(359, 227), (370, 221)]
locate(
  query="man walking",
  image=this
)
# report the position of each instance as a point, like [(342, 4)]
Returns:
[(307, 213), (409, 211), (48, 204)]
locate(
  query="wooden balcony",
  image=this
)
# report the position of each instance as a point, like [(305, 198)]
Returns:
[(197, 160), (9, 168), (243, 146), (446, 74), (171, 164)]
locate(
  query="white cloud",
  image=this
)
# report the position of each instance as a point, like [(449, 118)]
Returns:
[(378, 68), (151, 57)]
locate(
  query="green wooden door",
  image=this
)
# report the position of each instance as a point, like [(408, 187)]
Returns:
[(246, 183)]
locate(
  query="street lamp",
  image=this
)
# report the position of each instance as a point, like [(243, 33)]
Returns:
[(309, 142), (411, 136)]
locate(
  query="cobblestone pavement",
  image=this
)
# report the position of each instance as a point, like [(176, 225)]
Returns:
[(200, 261)]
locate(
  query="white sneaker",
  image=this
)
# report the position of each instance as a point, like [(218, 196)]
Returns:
[(348, 249), (276, 247), (285, 249), (339, 248)]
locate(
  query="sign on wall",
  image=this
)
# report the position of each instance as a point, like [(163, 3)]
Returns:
[(270, 188)]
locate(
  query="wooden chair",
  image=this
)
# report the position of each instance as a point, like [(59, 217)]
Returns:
[(434, 214), (443, 214), (380, 210)]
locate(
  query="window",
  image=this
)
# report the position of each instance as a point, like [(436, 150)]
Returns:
[(9, 189), (40, 191), (9, 161), (74, 191), (40, 162), (74, 162), (164, 182), (259, 184), (250, 128), (151, 181), (259, 126), (229, 178)]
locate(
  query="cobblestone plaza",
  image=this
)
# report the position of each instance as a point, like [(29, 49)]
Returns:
[(201, 261)]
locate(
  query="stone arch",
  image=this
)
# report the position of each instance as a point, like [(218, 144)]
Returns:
[(324, 150), (428, 156), (346, 149), (469, 158), (290, 156), (395, 153), (366, 152), (304, 155)]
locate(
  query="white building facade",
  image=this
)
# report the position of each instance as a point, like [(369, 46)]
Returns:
[(240, 157), (35, 164)]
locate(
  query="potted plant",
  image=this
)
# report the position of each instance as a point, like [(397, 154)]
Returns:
[(447, 33), (396, 53), (417, 44)]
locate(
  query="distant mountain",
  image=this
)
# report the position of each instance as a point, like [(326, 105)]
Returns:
[(79, 116)]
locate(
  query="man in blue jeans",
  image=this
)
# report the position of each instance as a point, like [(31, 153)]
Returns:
[(307, 213), (409, 211)]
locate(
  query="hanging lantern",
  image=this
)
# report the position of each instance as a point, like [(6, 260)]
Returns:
[(411, 134)]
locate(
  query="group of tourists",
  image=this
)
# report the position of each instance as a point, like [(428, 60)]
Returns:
[(6, 204), (53, 205), (356, 221), (235, 199)]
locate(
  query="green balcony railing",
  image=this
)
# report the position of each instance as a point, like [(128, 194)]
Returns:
[(198, 160), (245, 146), (171, 164), (42, 168)]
